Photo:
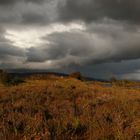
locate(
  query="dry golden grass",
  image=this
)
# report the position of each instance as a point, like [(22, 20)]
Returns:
[(55, 108)]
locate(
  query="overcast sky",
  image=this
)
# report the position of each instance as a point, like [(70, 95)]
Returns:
[(100, 38)]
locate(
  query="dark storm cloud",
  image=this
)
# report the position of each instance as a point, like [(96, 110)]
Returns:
[(36, 1), (8, 2), (107, 70), (9, 54), (90, 10), (62, 45), (99, 44), (7, 49), (44, 53), (30, 18), (69, 10), (23, 12), (11, 2), (107, 41)]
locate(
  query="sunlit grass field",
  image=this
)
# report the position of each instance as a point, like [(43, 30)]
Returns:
[(64, 108)]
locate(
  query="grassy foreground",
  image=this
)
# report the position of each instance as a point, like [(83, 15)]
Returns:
[(68, 109)]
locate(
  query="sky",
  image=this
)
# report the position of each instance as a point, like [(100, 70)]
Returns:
[(99, 38)]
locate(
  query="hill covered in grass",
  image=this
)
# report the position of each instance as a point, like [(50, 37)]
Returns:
[(64, 108)]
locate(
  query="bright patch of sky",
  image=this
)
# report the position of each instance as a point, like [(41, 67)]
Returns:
[(33, 36)]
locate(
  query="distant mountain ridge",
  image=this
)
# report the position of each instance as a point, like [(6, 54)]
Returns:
[(28, 72)]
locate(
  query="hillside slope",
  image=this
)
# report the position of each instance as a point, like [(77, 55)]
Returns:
[(58, 108)]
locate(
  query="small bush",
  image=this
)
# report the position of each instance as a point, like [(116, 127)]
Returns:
[(76, 75), (15, 80), (8, 79), (113, 79)]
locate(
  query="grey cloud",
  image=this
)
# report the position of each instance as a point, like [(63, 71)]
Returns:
[(69, 10), (7, 49), (61, 45), (10, 56), (32, 18), (107, 70), (98, 46), (12, 62), (12, 2), (108, 41), (42, 54), (36, 54), (36, 1), (23, 12), (90, 10), (8, 2)]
